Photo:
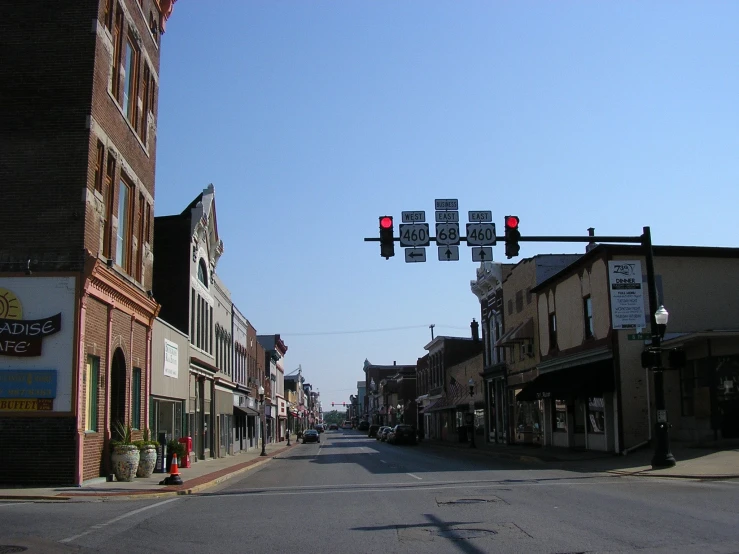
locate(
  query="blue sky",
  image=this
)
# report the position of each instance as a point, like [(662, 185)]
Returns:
[(313, 118)]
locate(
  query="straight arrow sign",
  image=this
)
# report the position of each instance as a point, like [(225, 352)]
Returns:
[(482, 254), (448, 253)]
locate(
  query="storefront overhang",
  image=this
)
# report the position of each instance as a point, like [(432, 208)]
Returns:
[(585, 380), (522, 332), (678, 339), (248, 411)]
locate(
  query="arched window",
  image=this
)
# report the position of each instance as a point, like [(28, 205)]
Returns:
[(203, 273)]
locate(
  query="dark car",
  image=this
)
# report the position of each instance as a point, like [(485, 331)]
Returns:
[(372, 431), (319, 428), (402, 434), (363, 426), (311, 435), (333, 427)]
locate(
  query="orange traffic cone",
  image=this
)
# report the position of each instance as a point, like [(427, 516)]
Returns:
[(174, 472)]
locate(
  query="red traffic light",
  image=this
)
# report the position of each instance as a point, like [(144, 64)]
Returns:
[(386, 222), (511, 222)]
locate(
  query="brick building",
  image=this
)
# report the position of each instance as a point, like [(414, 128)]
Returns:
[(78, 105)]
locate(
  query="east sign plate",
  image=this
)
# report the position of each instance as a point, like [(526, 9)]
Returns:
[(415, 234)]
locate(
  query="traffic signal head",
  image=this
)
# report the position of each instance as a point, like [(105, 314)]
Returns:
[(511, 236), (387, 245)]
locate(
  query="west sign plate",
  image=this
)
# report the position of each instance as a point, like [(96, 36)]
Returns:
[(413, 255), (414, 234), (413, 217)]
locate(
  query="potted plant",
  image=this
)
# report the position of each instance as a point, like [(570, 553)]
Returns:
[(124, 453), (148, 456), (175, 447)]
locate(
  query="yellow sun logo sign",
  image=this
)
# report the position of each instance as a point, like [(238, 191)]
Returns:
[(10, 306)]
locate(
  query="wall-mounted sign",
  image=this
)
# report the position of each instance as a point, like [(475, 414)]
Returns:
[(26, 405), (627, 294), (27, 383), (171, 359), (19, 337)]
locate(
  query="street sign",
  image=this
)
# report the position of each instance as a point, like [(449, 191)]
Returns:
[(414, 234), (446, 204), (480, 234), (447, 234), (447, 217), (448, 253), (480, 217), (413, 255), (639, 336), (482, 253), (413, 217)]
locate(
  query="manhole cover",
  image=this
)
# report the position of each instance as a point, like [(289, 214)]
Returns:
[(464, 534), (455, 500), (9, 549)]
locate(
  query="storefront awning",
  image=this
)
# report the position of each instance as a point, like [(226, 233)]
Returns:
[(590, 380), (248, 411), (523, 331)]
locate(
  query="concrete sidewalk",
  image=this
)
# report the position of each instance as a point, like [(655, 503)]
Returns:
[(201, 475), (719, 461)]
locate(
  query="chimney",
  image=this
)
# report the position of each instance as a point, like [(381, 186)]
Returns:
[(395, 363), (475, 330), (591, 245)]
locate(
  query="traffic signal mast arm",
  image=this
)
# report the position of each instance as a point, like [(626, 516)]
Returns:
[(544, 238)]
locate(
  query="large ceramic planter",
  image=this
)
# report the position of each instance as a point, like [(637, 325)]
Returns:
[(147, 462), (125, 461)]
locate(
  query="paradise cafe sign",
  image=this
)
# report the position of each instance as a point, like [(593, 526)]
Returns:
[(23, 338)]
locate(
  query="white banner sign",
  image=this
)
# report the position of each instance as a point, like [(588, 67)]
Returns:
[(627, 294), (171, 358)]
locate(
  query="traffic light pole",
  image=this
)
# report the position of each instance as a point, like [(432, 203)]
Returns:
[(662, 455)]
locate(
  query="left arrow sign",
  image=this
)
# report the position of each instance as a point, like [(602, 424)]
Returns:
[(414, 255)]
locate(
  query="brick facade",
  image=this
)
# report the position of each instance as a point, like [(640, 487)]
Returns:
[(78, 128)]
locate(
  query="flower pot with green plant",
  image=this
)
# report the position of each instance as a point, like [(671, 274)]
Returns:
[(148, 456), (175, 447), (124, 454)]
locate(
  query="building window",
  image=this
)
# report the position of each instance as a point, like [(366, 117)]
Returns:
[(687, 390), (596, 416), (99, 162), (519, 301), (136, 398), (115, 77), (123, 239), (144, 127), (210, 329), (559, 421), (588, 312), (109, 195), (140, 239), (552, 331), (108, 15), (92, 372), (203, 273), (147, 229), (192, 315), (510, 306), (130, 81)]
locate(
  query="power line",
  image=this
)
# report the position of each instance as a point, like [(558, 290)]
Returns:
[(363, 331)]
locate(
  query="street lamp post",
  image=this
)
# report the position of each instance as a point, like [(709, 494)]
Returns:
[(471, 384), (662, 455), (264, 415)]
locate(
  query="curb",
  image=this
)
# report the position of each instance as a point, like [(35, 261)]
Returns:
[(643, 473)]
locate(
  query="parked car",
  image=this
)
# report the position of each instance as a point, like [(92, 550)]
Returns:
[(402, 434), (319, 428), (347, 425), (363, 426), (311, 435), (372, 430), (333, 427), (382, 434)]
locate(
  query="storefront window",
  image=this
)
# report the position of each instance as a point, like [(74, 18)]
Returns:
[(596, 416), (560, 415)]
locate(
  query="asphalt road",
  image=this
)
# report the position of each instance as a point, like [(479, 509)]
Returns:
[(354, 494)]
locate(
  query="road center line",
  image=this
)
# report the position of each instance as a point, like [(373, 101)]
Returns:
[(115, 519), (415, 476), (383, 462)]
